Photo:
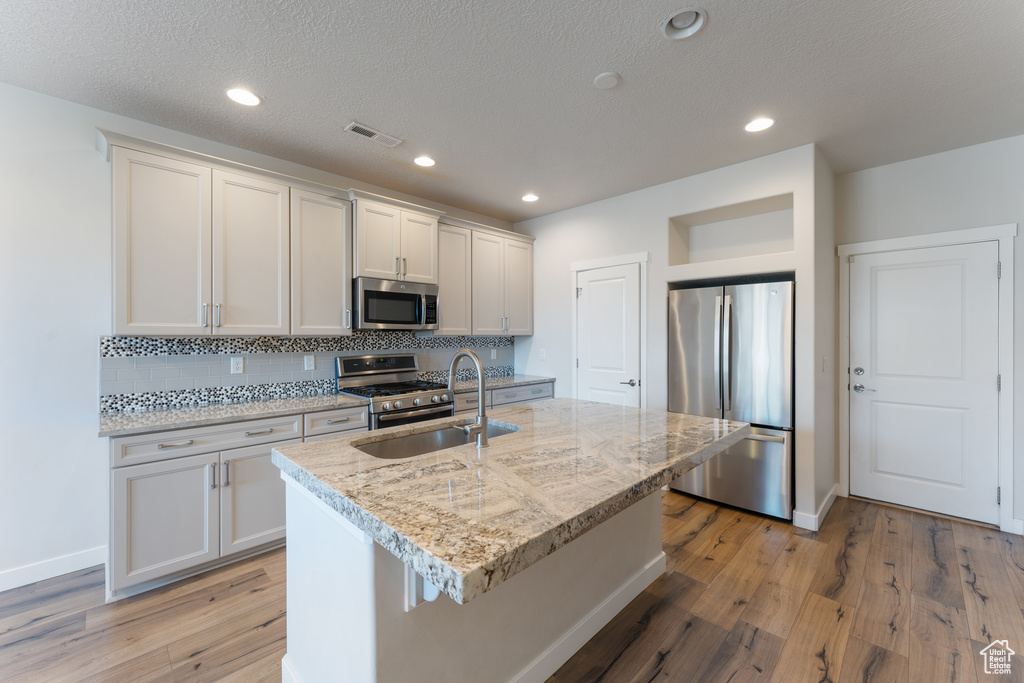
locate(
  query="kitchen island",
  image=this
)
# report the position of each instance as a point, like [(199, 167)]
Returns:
[(534, 542)]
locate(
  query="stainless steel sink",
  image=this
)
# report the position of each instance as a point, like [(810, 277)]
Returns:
[(427, 442)]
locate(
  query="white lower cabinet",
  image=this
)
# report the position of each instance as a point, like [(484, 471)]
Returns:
[(251, 499)]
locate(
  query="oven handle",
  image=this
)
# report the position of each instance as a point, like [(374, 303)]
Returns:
[(418, 411)]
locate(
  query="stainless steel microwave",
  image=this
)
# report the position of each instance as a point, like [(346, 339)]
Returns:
[(393, 305)]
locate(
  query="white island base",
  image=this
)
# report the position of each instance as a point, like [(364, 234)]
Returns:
[(347, 618)]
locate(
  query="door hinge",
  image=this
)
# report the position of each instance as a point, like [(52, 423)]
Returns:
[(999, 495), (579, 292), (999, 270), (849, 259), (577, 362), (999, 382)]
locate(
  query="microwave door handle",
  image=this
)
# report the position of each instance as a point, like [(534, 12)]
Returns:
[(423, 309)]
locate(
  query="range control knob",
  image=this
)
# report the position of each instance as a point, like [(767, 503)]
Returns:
[(444, 397), (386, 406), (435, 399), (398, 404), (417, 401)]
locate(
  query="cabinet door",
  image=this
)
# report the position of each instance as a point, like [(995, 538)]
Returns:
[(321, 239), (518, 287), (251, 498), (377, 241), (488, 284), (455, 281), (419, 248), (162, 242), (164, 518), (250, 256)]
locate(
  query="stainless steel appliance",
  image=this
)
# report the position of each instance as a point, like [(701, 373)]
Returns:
[(730, 355), (393, 305), (396, 396)]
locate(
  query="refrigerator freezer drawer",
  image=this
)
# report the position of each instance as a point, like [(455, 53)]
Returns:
[(755, 474)]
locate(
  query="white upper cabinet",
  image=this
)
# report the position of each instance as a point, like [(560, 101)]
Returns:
[(162, 244), (455, 280), (502, 285), (378, 241), (197, 251), (250, 256), (393, 244), (321, 272)]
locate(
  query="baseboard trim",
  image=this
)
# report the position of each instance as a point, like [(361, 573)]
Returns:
[(1018, 527), (813, 522), (48, 569), (576, 637), (287, 675)]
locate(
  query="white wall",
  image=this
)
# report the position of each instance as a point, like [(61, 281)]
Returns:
[(972, 187), (54, 305), (639, 221)]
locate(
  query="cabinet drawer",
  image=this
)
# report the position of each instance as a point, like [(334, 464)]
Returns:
[(470, 401), (129, 450), (531, 392), (330, 421)]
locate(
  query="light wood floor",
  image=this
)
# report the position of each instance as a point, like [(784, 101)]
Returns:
[(878, 594)]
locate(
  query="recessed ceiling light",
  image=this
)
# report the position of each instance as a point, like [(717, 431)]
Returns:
[(243, 96), (758, 125), (530, 197), (607, 80), (684, 23), (424, 161)]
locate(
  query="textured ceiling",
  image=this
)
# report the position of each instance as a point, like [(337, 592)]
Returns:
[(501, 94)]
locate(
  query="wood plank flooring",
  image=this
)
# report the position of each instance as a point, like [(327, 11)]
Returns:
[(877, 594)]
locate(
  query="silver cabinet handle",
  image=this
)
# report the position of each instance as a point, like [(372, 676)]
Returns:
[(471, 401), (405, 266), (727, 353), (765, 437), (227, 473), (261, 432), (204, 314), (348, 318), (860, 388), (716, 367), (339, 420), (631, 382), (541, 391), (216, 315), (396, 266), (512, 395), (161, 446), (213, 476)]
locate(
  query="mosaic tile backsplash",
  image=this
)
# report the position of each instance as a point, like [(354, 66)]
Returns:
[(141, 373)]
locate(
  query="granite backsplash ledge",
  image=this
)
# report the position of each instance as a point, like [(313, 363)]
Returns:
[(143, 373)]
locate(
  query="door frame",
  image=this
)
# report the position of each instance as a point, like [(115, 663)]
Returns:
[(575, 268), (1004, 235)]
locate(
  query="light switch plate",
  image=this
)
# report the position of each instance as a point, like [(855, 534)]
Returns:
[(494, 354), (237, 365), (309, 363)]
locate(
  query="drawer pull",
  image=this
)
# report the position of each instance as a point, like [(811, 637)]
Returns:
[(512, 395), (472, 400), (537, 391), (340, 419), (161, 446), (261, 432)]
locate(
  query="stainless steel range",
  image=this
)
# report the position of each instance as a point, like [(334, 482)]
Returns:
[(396, 396)]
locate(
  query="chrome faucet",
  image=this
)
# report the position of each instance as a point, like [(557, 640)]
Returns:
[(480, 426)]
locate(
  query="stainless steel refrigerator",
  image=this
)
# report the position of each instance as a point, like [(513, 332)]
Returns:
[(730, 355)]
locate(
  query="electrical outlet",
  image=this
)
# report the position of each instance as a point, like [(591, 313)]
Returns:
[(237, 365), (543, 354), (309, 363), (494, 354)]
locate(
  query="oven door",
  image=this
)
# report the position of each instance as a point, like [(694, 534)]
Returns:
[(393, 305), (404, 417)]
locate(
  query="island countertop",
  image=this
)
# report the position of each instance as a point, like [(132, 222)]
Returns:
[(465, 523)]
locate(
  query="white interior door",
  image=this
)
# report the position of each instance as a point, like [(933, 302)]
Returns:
[(923, 364), (608, 335)]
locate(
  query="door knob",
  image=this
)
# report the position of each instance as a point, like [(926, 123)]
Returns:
[(631, 382), (860, 388)]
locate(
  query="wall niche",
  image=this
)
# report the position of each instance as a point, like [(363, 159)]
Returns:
[(754, 228)]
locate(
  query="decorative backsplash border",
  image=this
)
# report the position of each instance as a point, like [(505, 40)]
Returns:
[(369, 340), (191, 398)]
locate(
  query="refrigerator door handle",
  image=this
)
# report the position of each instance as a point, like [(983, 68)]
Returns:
[(717, 371), (727, 353)]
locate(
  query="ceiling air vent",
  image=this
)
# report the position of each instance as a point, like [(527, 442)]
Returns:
[(374, 135)]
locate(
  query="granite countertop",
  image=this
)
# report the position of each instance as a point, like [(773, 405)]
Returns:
[(468, 523), (464, 386), (123, 424)]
